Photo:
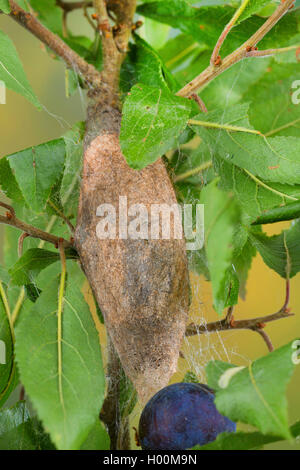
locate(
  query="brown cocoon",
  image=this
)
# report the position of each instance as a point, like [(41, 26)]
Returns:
[(141, 286)]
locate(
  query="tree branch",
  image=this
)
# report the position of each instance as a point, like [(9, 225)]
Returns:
[(223, 325), (88, 72), (11, 219), (213, 71), (225, 32)]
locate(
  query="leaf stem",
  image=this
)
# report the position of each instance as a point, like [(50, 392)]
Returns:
[(193, 171), (264, 185), (271, 51), (5, 302), (59, 318), (227, 127), (281, 128)]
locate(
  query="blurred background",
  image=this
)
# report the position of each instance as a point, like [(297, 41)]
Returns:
[(22, 125)]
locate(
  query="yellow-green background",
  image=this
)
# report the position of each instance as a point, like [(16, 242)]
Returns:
[(21, 126)]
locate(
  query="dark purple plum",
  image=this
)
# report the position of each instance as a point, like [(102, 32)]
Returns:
[(181, 416)]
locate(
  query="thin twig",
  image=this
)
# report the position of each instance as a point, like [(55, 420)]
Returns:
[(226, 30), (268, 52), (265, 337), (73, 60), (223, 325), (199, 102), (212, 71), (32, 231)]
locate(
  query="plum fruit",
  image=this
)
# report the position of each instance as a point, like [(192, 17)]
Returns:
[(181, 416)]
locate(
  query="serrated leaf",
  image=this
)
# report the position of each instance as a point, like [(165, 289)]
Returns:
[(18, 431), (255, 394), (255, 196), (36, 170), (11, 70), (8, 182), (220, 215), (144, 65), (274, 159), (152, 119), (32, 262), (280, 252), (68, 411), (205, 24), (273, 91), (4, 6)]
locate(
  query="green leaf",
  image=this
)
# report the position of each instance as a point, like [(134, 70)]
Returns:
[(255, 196), (49, 14), (70, 184), (70, 411), (152, 120), (292, 211), (98, 439), (144, 65), (4, 6), (273, 92), (274, 159), (11, 70), (190, 377), (220, 215), (253, 6), (239, 441), (4, 276), (205, 24), (8, 182), (18, 431), (243, 255), (36, 170), (7, 368), (255, 394), (280, 252), (156, 33), (179, 49), (32, 262)]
